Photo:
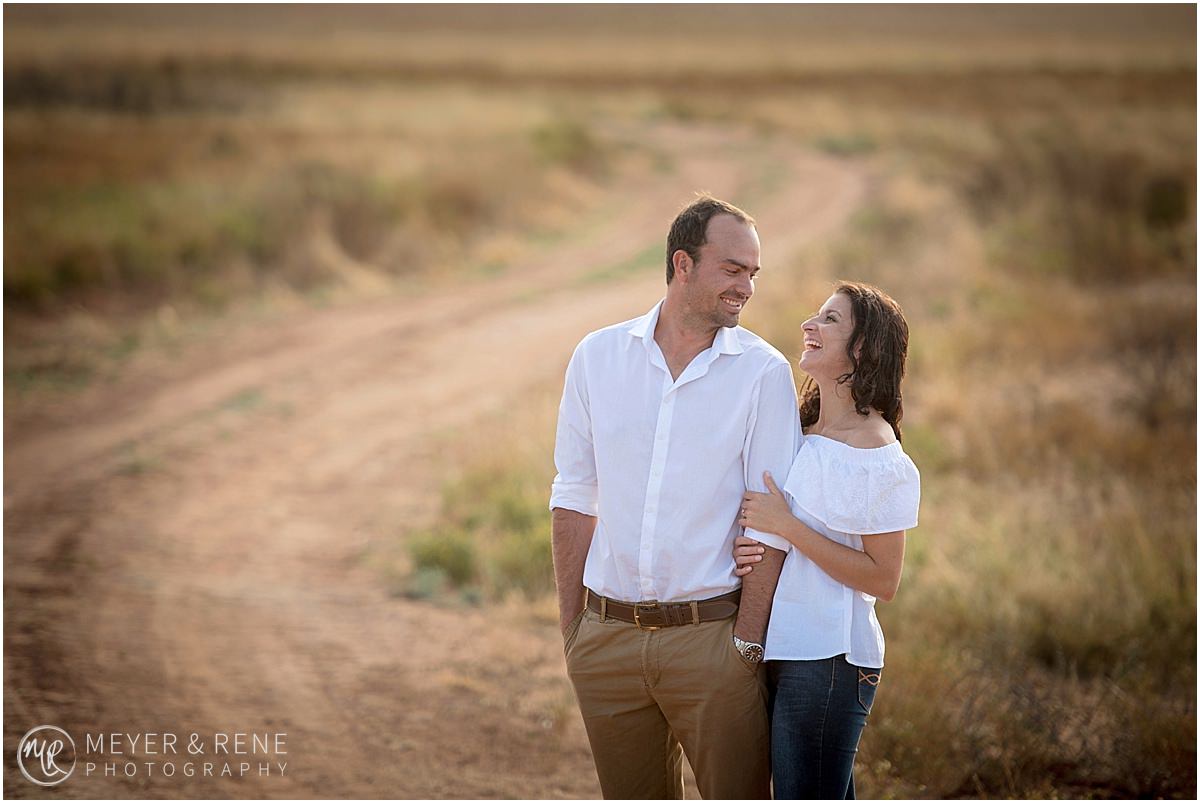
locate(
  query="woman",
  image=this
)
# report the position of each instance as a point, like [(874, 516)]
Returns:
[(850, 495)]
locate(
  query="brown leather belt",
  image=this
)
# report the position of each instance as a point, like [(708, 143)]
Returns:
[(653, 615)]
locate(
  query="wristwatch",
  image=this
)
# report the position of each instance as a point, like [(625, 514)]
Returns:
[(750, 651)]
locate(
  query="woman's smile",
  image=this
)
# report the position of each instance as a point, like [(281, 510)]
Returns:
[(830, 328)]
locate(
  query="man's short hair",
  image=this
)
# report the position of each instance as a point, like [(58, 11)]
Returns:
[(690, 228)]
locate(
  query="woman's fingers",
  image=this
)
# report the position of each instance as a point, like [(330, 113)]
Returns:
[(771, 483), (746, 556)]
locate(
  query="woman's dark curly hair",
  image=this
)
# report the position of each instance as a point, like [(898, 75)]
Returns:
[(880, 338)]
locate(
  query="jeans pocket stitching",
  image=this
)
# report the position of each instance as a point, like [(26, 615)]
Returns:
[(870, 679)]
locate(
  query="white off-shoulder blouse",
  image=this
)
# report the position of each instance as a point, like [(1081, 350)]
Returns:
[(843, 493)]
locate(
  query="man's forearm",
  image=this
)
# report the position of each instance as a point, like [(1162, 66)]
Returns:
[(758, 590), (571, 537)]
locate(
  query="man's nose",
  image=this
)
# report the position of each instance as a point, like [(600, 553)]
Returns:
[(746, 286)]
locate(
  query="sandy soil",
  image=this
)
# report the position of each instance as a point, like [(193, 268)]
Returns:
[(184, 545)]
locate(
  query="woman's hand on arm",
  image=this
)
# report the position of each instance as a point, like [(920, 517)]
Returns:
[(875, 570), (769, 512), (746, 553)]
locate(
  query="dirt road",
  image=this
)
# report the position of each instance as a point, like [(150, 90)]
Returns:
[(183, 545)]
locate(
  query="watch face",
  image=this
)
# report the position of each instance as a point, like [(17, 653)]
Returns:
[(754, 653)]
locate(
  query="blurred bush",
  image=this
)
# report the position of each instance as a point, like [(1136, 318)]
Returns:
[(1067, 201), (126, 86), (216, 210), (569, 142), (493, 534), (451, 553)]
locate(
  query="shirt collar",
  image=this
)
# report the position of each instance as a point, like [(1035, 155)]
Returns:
[(725, 342), (643, 327)]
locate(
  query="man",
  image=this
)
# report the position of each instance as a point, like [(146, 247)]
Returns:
[(666, 420)]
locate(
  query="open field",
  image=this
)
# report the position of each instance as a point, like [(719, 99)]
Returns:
[(289, 295)]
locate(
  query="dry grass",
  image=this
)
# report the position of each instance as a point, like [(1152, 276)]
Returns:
[(600, 44), (203, 199), (116, 222)]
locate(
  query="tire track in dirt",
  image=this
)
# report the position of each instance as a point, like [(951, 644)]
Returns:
[(219, 586)]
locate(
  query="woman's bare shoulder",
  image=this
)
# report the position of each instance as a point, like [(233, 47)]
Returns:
[(873, 433)]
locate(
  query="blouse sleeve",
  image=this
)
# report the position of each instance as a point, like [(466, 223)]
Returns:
[(856, 495)]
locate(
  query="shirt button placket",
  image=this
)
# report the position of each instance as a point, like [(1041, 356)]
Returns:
[(658, 461)]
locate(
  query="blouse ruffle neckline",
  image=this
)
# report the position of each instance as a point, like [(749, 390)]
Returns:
[(855, 490)]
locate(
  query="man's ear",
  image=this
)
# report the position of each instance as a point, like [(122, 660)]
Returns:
[(682, 262)]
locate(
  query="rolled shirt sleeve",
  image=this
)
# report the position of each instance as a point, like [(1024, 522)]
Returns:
[(575, 486), (772, 440)]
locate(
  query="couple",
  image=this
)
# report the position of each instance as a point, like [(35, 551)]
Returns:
[(676, 431)]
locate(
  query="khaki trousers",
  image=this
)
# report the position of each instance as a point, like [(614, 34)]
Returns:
[(650, 696)]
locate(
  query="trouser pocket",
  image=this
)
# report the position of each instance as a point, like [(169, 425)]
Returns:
[(751, 667), (868, 683), (572, 631)]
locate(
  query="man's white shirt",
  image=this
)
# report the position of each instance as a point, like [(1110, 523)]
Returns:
[(663, 464)]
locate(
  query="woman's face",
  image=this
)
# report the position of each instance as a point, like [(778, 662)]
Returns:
[(825, 337)]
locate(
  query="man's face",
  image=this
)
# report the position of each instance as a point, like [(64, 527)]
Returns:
[(721, 281)]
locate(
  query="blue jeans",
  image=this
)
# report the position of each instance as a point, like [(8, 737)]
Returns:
[(818, 711)]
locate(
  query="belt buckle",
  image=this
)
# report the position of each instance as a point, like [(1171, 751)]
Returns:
[(637, 619)]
